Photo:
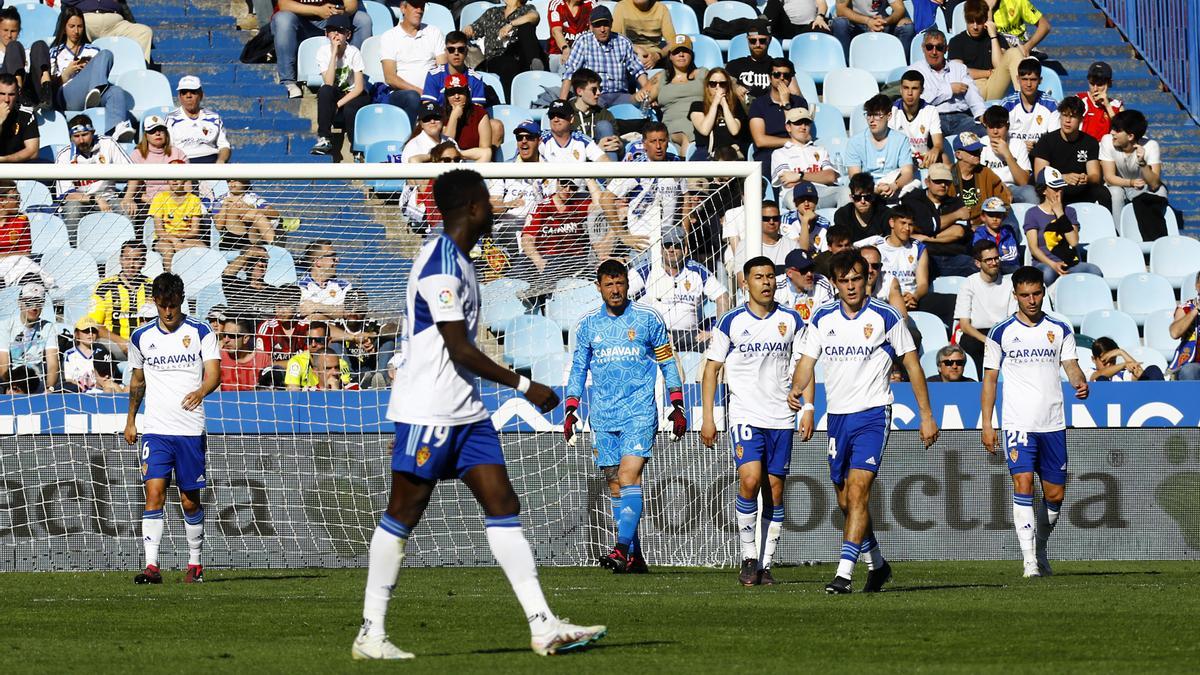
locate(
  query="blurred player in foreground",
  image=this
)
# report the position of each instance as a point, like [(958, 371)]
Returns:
[(177, 362), (856, 338), (1028, 348), (757, 344), (444, 431), (622, 344)]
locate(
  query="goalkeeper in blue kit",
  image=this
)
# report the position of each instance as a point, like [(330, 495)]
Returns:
[(623, 345)]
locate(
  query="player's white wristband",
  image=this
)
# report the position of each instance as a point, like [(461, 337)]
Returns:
[(523, 385), (807, 407)]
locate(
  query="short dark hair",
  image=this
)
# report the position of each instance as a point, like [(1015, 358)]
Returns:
[(167, 286), (770, 204), (456, 189), (654, 126), (1103, 345), (757, 261), (10, 13), (131, 244), (840, 233), (1029, 66), (982, 245), (1028, 275), (862, 181), (1132, 122), (845, 261), (780, 62), (901, 211), (879, 103), (286, 295), (243, 325), (976, 11), (318, 325), (913, 76), (1072, 106), (583, 77), (457, 37), (79, 119), (933, 33), (310, 251), (612, 268), (8, 80), (995, 116)]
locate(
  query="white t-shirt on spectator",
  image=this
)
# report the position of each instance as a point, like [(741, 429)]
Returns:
[(1127, 162), (579, 148), (199, 137), (104, 151), (992, 161), (1030, 124), (415, 55), (350, 63), (421, 144), (985, 304)]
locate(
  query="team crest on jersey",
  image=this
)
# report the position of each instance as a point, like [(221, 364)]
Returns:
[(1050, 336), (422, 456), (687, 285), (1038, 119), (145, 468), (632, 334), (575, 154), (868, 330), (921, 130), (187, 341), (1012, 454), (782, 328), (911, 259), (803, 309), (738, 450)]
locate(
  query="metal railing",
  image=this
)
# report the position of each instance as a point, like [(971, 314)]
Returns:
[(1167, 35)]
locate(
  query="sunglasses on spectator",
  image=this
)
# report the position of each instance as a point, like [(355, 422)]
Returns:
[(713, 84), (940, 182), (862, 197), (521, 138), (935, 47), (450, 160), (759, 40), (770, 219), (781, 75), (602, 23), (954, 362), (458, 91), (876, 266), (456, 50)]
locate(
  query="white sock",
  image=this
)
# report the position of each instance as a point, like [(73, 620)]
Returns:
[(774, 530), (386, 556), (747, 517), (870, 548), (152, 529), (1023, 521), (193, 526), (512, 551), (850, 553)]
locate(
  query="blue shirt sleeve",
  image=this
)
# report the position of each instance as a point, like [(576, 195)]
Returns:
[(580, 360)]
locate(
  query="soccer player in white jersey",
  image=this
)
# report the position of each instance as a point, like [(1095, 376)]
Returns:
[(1028, 348), (177, 362), (757, 345), (443, 429), (857, 338)]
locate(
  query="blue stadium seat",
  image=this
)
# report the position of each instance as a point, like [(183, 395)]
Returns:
[(37, 21), (683, 19), (848, 88), (1130, 230), (933, 331), (693, 366), (836, 147), (511, 116), (1077, 294), (552, 369), (502, 288), (148, 89), (569, 304), (207, 298), (527, 87), (162, 111), (626, 111), (877, 53), (281, 267), (47, 232), (542, 30), (77, 302), (1095, 222), (1052, 84), (1177, 259), (1117, 258), (1158, 332), (858, 122), (493, 80), (497, 315), (127, 55), (70, 268), (33, 194), (440, 16), (381, 17), (372, 61), (52, 128), (1111, 323), (929, 364), (306, 61), (829, 122), (102, 234), (97, 115), (473, 11), (384, 151), (947, 285), (380, 122), (1148, 357), (916, 51), (739, 46), (1140, 295), (808, 87), (728, 10), (817, 53), (707, 52), (958, 21), (200, 267), (529, 337), (8, 301)]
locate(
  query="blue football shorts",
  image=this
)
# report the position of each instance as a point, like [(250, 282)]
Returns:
[(162, 454), (608, 447), (438, 452), (857, 440), (1042, 451), (754, 444)]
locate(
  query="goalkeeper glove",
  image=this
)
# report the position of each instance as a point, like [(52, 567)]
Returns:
[(570, 420), (678, 419)]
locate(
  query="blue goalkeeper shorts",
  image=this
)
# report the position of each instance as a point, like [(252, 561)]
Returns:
[(857, 440), (608, 447), (1042, 451), (773, 447), (438, 452), (183, 455)]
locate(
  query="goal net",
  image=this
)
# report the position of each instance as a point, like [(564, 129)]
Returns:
[(303, 278)]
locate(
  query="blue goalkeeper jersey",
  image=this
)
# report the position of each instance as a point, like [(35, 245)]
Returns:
[(622, 353)]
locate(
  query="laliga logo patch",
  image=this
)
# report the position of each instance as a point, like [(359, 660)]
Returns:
[(422, 456), (445, 297), (868, 330), (738, 450), (782, 328)]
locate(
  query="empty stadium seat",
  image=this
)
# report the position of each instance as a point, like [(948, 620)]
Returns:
[(52, 128), (739, 46), (384, 151), (37, 21), (70, 268), (33, 194), (77, 302), (858, 122), (1176, 258), (8, 301), (127, 55), (497, 315), (1117, 258), (706, 51), (502, 288), (281, 267), (1077, 294), (836, 147), (473, 11), (817, 53), (372, 61), (1111, 323), (306, 61), (382, 18), (1095, 222), (829, 122), (958, 21), (148, 89), (552, 370), (1130, 230), (948, 285), (848, 88), (380, 122), (683, 19), (878, 54), (1052, 84), (440, 16), (207, 298), (808, 87), (529, 337), (1158, 332), (47, 232), (528, 87), (570, 304), (933, 331), (199, 267), (728, 10), (693, 366), (102, 234), (493, 80), (1140, 295)]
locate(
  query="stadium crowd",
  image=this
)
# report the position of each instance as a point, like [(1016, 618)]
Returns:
[(946, 181)]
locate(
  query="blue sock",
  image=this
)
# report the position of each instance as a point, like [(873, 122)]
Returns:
[(616, 514), (777, 514), (393, 527), (631, 514)]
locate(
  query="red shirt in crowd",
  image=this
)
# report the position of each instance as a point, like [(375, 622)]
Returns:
[(14, 236), (274, 341), (468, 129), (242, 376), (1096, 121), (572, 25), (559, 232)]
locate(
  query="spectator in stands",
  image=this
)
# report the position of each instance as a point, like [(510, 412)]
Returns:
[(1132, 169), (995, 228), (343, 91), (15, 238), (507, 34), (677, 288), (154, 148), (589, 117), (242, 366), (804, 224), (774, 245), (409, 51), (1099, 107), (949, 87), (457, 47), (1185, 327), (1011, 17), (1075, 155), (198, 131), (866, 215), (804, 290), (417, 202), (639, 210), (106, 18), (754, 73), (1052, 230), (30, 68), (917, 120), (80, 71), (679, 85), (244, 218), (322, 292), (250, 298), (855, 17), (992, 64), (80, 198), (176, 213), (880, 151), (298, 20), (800, 160), (117, 300), (1113, 364), (428, 132), (366, 345), (951, 360), (283, 335), (885, 287), (613, 57), (467, 122), (317, 367), (554, 240), (903, 257), (19, 138), (561, 144), (568, 20), (1007, 157), (973, 182), (87, 366), (768, 113), (790, 18), (28, 344), (985, 299), (647, 24), (1032, 113), (718, 119), (940, 223)]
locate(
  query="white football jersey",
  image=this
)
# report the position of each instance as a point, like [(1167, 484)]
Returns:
[(429, 389), (579, 148), (759, 356), (653, 203), (1019, 152), (173, 365), (804, 303), (919, 129), (1029, 358), (201, 136), (795, 157), (899, 262), (857, 353), (677, 298), (1029, 124)]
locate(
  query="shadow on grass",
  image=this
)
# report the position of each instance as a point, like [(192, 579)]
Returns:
[(1102, 573), (596, 647), (275, 577), (938, 587)]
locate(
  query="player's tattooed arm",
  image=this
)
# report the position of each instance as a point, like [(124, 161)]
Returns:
[(137, 393)]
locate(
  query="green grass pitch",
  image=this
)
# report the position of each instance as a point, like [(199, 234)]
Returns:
[(934, 617)]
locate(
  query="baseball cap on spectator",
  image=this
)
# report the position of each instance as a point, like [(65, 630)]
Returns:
[(340, 23), (414, 3), (797, 114), (804, 189), (429, 110), (153, 122), (87, 323), (1099, 72), (967, 141), (797, 259), (569, 182), (940, 171), (600, 13), (757, 27), (33, 290), (681, 42), (1051, 177), (994, 205), (528, 127), (455, 81), (674, 237), (560, 109), (188, 83)]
